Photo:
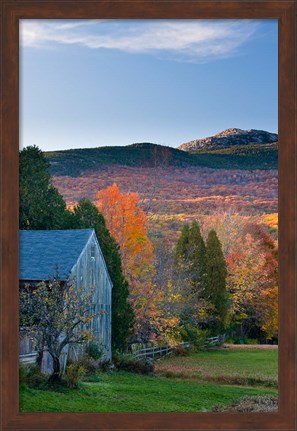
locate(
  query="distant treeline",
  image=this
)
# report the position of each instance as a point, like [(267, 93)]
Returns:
[(77, 161)]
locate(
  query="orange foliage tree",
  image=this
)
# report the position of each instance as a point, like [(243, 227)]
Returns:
[(127, 223)]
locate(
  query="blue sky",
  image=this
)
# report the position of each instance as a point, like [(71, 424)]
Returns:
[(88, 83)]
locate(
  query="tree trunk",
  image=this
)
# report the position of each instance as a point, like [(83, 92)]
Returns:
[(55, 377), (39, 358)]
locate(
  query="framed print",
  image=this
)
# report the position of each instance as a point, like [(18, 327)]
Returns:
[(148, 196)]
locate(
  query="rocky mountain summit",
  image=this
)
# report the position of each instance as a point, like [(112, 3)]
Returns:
[(230, 137)]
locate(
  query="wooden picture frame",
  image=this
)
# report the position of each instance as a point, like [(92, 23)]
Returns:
[(282, 10)]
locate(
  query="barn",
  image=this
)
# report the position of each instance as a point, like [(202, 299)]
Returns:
[(72, 254)]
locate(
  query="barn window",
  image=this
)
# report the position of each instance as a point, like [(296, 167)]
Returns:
[(93, 251)]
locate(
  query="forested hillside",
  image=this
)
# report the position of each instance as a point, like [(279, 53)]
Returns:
[(79, 161)]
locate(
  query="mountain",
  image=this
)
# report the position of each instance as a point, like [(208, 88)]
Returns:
[(230, 137), (77, 162)]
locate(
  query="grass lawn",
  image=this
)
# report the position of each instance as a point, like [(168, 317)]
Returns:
[(127, 392), (231, 366)]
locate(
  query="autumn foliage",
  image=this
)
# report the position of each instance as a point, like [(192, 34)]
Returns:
[(127, 223), (146, 209), (250, 253)]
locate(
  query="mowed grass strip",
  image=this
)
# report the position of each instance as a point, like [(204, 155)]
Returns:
[(126, 392), (250, 367)]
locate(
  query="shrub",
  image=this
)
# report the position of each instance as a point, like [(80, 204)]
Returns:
[(23, 372), (239, 340), (33, 377), (251, 341), (106, 366), (127, 362), (180, 350), (242, 340), (195, 336), (90, 365), (74, 373), (93, 351)]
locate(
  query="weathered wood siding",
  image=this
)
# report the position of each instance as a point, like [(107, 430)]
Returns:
[(91, 271), (26, 344)]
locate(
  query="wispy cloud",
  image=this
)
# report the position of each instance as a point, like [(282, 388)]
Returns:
[(194, 40)]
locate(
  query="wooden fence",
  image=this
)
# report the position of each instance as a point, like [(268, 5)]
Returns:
[(28, 358), (214, 341), (157, 352)]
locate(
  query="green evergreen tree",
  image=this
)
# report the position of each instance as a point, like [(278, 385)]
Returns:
[(190, 254), (86, 215), (216, 273), (182, 246), (40, 204), (190, 260), (197, 256)]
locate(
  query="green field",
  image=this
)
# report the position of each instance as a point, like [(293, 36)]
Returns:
[(254, 367), (191, 385)]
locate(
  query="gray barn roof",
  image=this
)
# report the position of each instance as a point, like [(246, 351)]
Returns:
[(43, 252)]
